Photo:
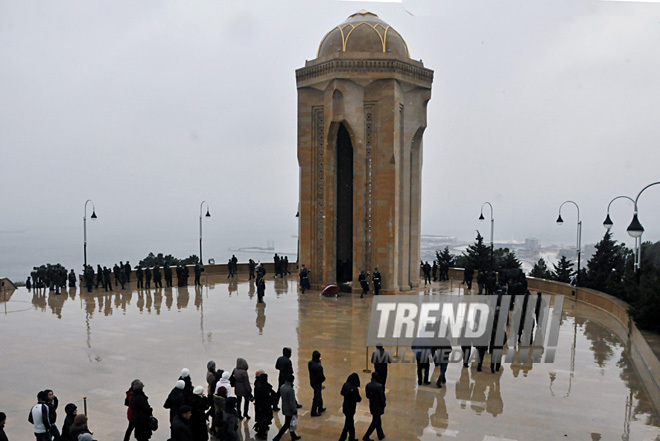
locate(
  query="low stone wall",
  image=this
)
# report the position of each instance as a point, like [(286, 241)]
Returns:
[(645, 360)]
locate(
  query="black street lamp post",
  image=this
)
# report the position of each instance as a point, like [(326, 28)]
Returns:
[(208, 214), (492, 228), (93, 216), (579, 237)]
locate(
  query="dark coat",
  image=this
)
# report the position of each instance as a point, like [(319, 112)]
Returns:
[(174, 401), (284, 365), (288, 399), (198, 419), (229, 430), (180, 429), (68, 421), (316, 377), (263, 400), (242, 388), (351, 393), (141, 413), (375, 393)]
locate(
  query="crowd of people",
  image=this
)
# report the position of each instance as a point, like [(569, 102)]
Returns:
[(198, 412), (195, 412)]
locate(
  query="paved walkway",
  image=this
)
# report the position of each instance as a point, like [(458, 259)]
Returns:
[(93, 345)]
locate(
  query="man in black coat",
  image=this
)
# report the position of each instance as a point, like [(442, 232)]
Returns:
[(180, 428), (422, 351), (284, 365), (263, 399), (167, 270), (140, 277), (377, 279), (304, 278), (427, 273), (147, 278), (351, 393), (107, 283), (468, 274), (141, 412), (381, 358), (157, 277), (176, 399), (375, 393), (198, 274), (316, 379)]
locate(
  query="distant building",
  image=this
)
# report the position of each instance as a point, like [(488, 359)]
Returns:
[(531, 244)]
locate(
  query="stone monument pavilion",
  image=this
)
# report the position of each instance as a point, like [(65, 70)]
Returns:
[(361, 116)]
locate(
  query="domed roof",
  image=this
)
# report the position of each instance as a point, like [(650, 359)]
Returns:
[(363, 32)]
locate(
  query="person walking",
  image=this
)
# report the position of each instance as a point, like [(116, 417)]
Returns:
[(139, 274), (289, 408), (422, 353), (211, 377), (175, 399), (468, 274), (304, 278), (199, 406), (284, 365), (380, 359), (198, 274), (180, 427), (39, 418), (242, 387), (158, 277), (375, 393), (128, 402), (351, 393), (316, 379), (141, 412), (263, 399), (426, 268), (229, 429), (362, 278), (71, 411), (377, 279), (52, 403)]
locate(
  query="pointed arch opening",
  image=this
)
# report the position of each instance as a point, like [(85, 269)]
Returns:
[(344, 233)]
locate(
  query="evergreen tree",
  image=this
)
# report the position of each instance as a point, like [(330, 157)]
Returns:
[(506, 259), (606, 270), (445, 257), (563, 270), (478, 255), (541, 270), (645, 308)]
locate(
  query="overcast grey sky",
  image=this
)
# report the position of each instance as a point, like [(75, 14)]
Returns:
[(149, 107)]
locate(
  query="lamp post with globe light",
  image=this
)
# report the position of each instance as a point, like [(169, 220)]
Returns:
[(492, 228), (635, 229), (208, 214), (607, 223), (560, 221), (93, 216)]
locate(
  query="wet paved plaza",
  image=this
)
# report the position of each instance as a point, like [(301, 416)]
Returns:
[(94, 344)]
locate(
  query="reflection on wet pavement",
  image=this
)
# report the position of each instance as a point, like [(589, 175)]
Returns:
[(94, 344)]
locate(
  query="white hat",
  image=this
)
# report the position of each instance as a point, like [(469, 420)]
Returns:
[(185, 372), (198, 390), (180, 384)]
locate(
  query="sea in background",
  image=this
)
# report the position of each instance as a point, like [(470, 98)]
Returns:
[(21, 250)]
